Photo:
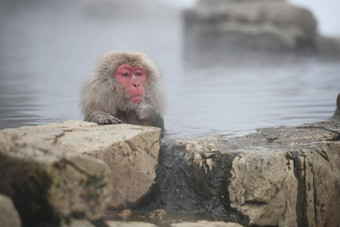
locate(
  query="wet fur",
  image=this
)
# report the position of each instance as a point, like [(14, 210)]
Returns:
[(102, 92)]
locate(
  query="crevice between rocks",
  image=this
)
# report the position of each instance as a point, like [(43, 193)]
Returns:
[(315, 197), (300, 174)]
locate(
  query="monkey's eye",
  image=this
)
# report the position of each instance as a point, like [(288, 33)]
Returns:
[(138, 74), (125, 74)]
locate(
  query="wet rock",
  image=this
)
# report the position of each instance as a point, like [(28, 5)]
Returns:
[(284, 176), (206, 223), (292, 178), (233, 30), (191, 179), (76, 168), (129, 224), (9, 216), (125, 214), (77, 223), (336, 114), (157, 214)]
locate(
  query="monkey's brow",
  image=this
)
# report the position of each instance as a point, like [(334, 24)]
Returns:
[(132, 60)]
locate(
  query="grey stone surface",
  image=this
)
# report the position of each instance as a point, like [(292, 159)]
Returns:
[(77, 168), (263, 187), (206, 223), (129, 224), (336, 114), (286, 176), (130, 151)]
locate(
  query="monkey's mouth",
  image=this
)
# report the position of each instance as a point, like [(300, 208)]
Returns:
[(137, 99)]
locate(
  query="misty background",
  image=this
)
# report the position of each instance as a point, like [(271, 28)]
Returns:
[(49, 48)]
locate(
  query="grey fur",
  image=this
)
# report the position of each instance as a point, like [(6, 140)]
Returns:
[(103, 93)]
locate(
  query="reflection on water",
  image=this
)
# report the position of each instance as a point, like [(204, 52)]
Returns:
[(48, 50)]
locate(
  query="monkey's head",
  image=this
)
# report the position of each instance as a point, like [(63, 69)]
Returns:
[(133, 77)]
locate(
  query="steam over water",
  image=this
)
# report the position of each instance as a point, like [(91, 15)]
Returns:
[(48, 50)]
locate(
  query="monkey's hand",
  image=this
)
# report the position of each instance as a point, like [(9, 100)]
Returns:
[(147, 115), (103, 118)]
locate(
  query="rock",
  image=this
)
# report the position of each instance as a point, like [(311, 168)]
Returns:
[(9, 216), (49, 182), (125, 214), (130, 151), (77, 223), (190, 177), (157, 214), (276, 196), (129, 224), (77, 167), (328, 46), (336, 114), (286, 176), (223, 31), (263, 187), (206, 223)]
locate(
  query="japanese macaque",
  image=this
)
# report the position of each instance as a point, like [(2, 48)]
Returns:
[(125, 88)]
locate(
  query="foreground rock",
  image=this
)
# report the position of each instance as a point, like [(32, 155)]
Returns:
[(76, 169), (287, 176), (67, 174), (221, 30), (336, 114), (180, 224), (9, 216), (206, 223)]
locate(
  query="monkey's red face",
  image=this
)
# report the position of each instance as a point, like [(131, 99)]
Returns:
[(133, 79)]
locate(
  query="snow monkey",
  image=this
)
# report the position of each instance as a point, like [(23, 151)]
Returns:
[(125, 88)]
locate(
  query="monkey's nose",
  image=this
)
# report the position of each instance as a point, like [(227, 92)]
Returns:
[(136, 85)]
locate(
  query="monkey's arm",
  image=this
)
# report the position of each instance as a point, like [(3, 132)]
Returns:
[(102, 118), (147, 115)]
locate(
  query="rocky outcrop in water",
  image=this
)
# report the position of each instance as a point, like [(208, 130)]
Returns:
[(287, 176), (58, 172), (336, 114), (220, 30)]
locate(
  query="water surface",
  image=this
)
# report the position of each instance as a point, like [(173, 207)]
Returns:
[(48, 50)]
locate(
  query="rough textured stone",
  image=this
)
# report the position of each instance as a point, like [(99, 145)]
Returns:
[(336, 114), (206, 223), (263, 187), (48, 182), (50, 170), (307, 197), (191, 180), (77, 223), (129, 224), (286, 176), (9, 216), (130, 151)]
